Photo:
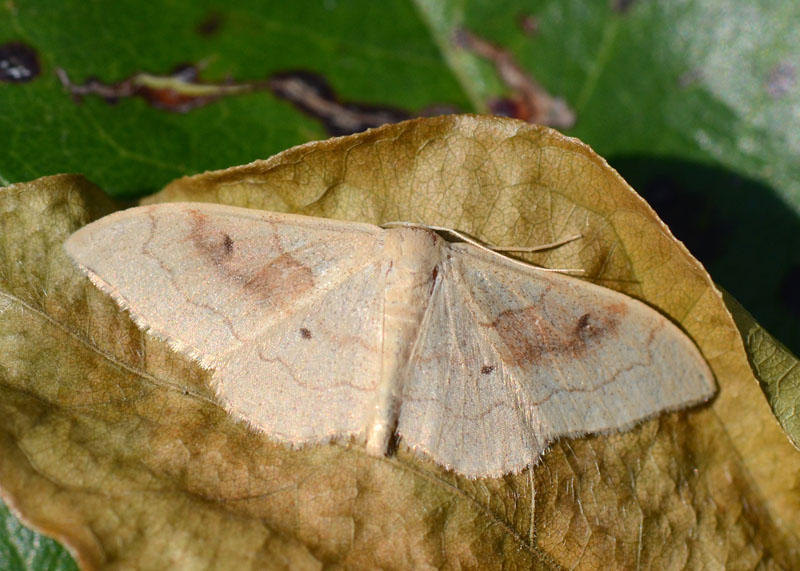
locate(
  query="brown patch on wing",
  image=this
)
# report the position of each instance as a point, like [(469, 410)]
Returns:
[(281, 280), (528, 335), (213, 245)]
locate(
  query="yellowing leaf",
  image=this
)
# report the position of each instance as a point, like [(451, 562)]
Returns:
[(115, 444), (775, 367)]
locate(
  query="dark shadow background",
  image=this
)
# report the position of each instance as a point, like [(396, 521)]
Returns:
[(747, 238)]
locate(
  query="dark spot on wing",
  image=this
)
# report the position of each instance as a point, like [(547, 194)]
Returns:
[(528, 336), (305, 333), (486, 369), (434, 275), (279, 281), (19, 63), (593, 326), (213, 245)]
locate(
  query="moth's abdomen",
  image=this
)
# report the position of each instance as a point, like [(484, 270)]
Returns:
[(413, 255)]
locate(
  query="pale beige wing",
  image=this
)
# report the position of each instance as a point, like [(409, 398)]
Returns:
[(313, 376), (211, 278), (511, 358)]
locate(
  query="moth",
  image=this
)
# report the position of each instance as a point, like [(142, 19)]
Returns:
[(319, 329)]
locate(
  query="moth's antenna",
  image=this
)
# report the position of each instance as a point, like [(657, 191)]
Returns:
[(494, 248), (538, 248), (497, 249)]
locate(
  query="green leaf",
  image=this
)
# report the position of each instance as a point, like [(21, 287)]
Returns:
[(132, 148), (22, 549), (776, 368), (661, 89), (715, 84)]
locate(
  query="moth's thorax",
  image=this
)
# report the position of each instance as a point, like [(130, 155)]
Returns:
[(412, 259), (414, 255)]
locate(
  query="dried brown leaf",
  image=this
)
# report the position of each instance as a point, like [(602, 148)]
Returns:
[(114, 444)]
